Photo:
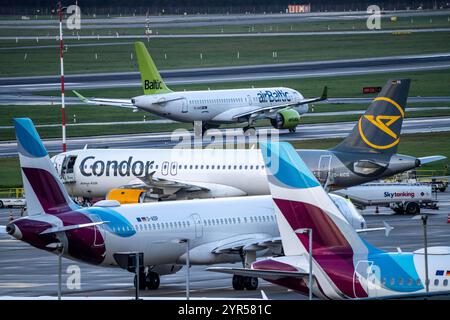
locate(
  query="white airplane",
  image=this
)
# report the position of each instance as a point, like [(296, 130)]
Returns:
[(219, 230), (283, 106), (344, 266)]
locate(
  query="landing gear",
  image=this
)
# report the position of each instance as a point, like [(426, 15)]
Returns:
[(292, 130), (241, 283), (152, 280), (249, 131), (148, 280)]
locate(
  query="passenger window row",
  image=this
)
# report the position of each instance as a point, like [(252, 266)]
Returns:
[(162, 225), (252, 219), (222, 100)]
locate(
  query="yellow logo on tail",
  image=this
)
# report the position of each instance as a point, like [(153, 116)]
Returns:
[(383, 123), (378, 121)]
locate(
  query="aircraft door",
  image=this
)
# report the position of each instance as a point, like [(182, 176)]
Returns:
[(324, 168), (367, 276), (249, 100), (197, 225), (67, 169), (184, 106)]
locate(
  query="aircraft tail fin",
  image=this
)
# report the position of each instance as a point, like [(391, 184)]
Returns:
[(378, 130), (152, 82), (303, 206), (44, 192)]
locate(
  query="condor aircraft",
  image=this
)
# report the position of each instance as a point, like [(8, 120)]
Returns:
[(218, 230), (344, 266), (283, 106), (368, 153)]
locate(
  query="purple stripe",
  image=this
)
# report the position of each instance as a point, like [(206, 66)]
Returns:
[(331, 249), (47, 190)]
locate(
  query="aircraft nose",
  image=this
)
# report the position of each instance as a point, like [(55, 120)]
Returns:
[(14, 231)]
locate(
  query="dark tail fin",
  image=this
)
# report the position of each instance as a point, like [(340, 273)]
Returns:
[(378, 130)]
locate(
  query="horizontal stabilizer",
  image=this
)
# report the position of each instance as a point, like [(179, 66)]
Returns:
[(72, 227), (264, 274), (387, 229), (425, 160), (123, 103)]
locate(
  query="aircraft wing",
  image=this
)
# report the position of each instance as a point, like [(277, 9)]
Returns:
[(271, 109), (252, 243), (159, 183), (264, 274), (123, 103), (425, 160)]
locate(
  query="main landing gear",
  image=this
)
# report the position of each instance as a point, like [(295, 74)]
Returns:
[(242, 282), (149, 280), (292, 130), (249, 131)]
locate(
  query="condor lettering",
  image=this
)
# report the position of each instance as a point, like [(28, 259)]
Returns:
[(126, 168)]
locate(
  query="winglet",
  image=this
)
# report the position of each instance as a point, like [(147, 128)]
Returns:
[(82, 98), (324, 94)]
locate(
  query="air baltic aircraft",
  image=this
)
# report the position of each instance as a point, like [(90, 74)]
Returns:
[(218, 230), (368, 153), (283, 106), (344, 266)]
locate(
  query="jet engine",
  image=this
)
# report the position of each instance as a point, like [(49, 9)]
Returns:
[(286, 119)]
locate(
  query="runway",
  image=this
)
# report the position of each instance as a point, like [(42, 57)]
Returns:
[(233, 74), (167, 140), (204, 20), (27, 271)]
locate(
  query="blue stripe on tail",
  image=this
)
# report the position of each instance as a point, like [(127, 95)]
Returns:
[(28, 139), (286, 166)]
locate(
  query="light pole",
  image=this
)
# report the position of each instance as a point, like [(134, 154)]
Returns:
[(425, 238), (309, 231), (188, 264), (61, 55), (59, 248)]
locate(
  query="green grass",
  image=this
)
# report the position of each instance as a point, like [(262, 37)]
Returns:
[(422, 22), (83, 114), (412, 144), (217, 52), (10, 173)]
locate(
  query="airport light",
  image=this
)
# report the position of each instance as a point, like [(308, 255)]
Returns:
[(309, 231), (61, 54)]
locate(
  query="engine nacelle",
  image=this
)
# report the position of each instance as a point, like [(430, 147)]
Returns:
[(126, 196), (286, 119)]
